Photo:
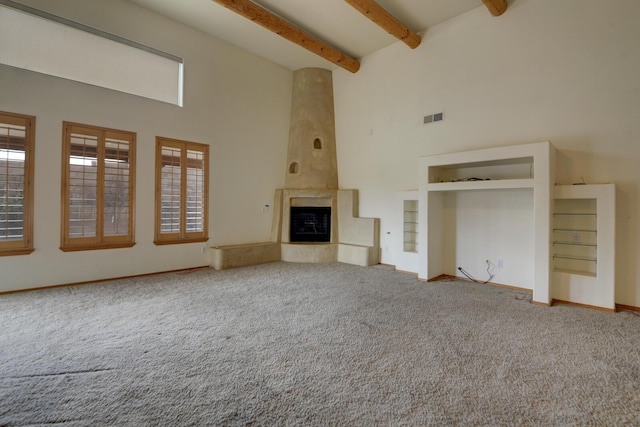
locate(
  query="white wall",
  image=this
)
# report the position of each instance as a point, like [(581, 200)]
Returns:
[(490, 225), (234, 101), (564, 71)]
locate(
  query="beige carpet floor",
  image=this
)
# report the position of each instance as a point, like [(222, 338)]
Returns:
[(300, 344)]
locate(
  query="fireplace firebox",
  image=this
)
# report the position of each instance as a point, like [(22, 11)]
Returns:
[(310, 224)]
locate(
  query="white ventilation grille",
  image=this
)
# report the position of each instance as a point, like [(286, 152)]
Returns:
[(437, 117)]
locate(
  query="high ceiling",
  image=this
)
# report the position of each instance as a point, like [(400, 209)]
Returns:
[(332, 21)]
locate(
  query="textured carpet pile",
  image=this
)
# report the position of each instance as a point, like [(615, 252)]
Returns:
[(300, 344)]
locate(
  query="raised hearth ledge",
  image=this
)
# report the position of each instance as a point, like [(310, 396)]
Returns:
[(233, 256), (354, 240)]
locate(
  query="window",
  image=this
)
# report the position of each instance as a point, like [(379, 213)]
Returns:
[(50, 44), (16, 183), (182, 171), (98, 185)]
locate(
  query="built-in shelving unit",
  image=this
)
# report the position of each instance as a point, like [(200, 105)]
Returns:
[(583, 244), (527, 166), (410, 226), (407, 249), (575, 236)]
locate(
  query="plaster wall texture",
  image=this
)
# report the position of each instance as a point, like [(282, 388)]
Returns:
[(311, 156)]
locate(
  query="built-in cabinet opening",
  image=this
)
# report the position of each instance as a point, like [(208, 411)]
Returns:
[(490, 204), (517, 168), (575, 236), (410, 226)]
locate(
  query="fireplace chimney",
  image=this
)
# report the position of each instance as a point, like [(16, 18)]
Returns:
[(311, 156)]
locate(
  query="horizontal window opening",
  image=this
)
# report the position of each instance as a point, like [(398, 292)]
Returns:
[(38, 41)]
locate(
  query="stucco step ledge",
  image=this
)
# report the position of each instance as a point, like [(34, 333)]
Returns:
[(232, 256)]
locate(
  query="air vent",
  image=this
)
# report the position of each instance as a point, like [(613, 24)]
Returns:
[(437, 117)]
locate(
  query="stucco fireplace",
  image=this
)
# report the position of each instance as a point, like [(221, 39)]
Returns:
[(311, 186)]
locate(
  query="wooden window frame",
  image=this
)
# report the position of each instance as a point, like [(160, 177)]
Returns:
[(23, 246), (183, 236), (99, 241)]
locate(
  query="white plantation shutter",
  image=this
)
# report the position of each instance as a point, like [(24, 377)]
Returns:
[(171, 185), (83, 185), (116, 187), (195, 191)]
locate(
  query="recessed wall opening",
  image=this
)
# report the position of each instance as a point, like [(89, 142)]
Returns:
[(494, 225), (293, 167), (310, 224), (317, 144), (517, 168)]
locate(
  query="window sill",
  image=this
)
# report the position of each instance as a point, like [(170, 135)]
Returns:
[(180, 241), (91, 247), (11, 252)]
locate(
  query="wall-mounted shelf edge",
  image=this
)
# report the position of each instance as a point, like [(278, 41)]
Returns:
[(498, 184), (577, 258)]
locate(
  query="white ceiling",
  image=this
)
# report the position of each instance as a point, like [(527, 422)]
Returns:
[(332, 21)]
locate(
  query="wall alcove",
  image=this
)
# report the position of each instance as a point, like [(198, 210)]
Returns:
[(528, 169)]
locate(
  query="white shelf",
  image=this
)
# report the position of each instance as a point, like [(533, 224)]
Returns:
[(498, 184), (574, 272)]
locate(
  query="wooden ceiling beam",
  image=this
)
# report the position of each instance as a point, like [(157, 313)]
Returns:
[(388, 22), (290, 32), (496, 7)]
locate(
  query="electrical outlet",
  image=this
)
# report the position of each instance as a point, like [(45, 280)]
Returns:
[(204, 249), (500, 263), (575, 238)]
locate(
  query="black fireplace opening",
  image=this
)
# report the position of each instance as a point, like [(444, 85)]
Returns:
[(310, 224)]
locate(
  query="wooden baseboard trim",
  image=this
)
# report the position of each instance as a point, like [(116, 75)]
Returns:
[(441, 277), (88, 282), (627, 307), (466, 279), (577, 304), (515, 288), (407, 272), (543, 304)]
